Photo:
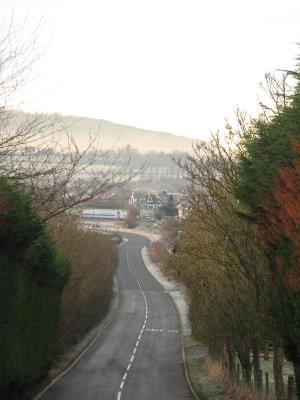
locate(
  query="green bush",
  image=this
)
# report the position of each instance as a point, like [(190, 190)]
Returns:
[(32, 275)]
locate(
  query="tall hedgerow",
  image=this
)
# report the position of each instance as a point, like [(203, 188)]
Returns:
[(32, 275)]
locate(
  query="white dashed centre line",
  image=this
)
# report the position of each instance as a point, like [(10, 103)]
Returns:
[(140, 333)]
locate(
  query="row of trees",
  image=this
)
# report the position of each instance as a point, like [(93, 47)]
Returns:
[(239, 248), (151, 158)]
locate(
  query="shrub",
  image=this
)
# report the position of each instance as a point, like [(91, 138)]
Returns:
[(87, 295)]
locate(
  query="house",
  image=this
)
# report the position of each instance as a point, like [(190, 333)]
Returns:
[(153, 202), (137, 199), (164, 197), (150, 203)]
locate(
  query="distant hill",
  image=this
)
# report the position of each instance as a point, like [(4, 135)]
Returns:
[(116, 135)]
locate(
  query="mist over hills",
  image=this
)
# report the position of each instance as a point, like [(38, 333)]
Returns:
[(114, 135), (117, 135)]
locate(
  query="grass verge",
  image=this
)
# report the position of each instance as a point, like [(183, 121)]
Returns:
[(203, 385)]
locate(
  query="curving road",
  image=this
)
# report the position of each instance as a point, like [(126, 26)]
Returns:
[(138, 356)]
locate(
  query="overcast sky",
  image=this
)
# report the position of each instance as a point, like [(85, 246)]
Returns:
[(179, 66)]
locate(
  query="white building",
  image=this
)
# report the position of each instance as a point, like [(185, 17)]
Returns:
[(103, 213)]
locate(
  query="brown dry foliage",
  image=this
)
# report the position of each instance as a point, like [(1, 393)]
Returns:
[(87, 295), (234, 390), (158, 252)]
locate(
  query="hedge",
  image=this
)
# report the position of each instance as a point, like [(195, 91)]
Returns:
[(32, 275)]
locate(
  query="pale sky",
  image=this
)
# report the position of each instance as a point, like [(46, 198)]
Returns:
[(180, 66)]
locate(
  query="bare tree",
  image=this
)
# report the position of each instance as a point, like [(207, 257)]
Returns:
[(38, 150)]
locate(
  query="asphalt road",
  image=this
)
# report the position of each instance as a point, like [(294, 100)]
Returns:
[(138, 356)]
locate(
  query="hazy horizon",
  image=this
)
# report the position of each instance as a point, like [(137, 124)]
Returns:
[(170, 66), (113, 135)]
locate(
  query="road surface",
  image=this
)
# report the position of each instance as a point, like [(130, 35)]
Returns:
[(138, 357)]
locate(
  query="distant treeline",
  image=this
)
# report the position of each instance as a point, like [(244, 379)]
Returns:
[(151, 158), (118, 156)]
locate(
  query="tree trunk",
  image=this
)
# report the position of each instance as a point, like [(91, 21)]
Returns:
[(247, 368), (296, 366), (256, 365), (224, 360), (244, 357), (231, 361), (290, 388), (266, 352), (278, 362)]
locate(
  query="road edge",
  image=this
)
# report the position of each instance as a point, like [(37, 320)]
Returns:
[(110, 317), (183, 351), (190, 385)]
